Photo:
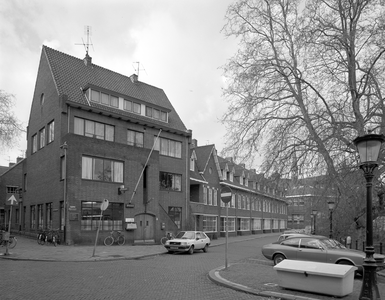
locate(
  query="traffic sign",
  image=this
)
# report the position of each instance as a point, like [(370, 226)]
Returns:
[(104, 205), (12, 200), (226, 194)]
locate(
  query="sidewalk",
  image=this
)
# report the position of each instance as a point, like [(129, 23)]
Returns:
[(255, 276)]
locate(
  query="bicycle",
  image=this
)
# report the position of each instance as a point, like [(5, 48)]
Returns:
[(12, 241), (115, 237), (169, 236), (51, 236)]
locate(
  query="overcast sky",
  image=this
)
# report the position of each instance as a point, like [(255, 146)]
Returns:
[(178, 44)]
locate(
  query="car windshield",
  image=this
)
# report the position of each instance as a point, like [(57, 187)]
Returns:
[(332, 244), (185, 235)]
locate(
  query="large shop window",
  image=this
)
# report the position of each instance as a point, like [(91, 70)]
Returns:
[(168, 147), (231, 224), (175, 213), (102, 169), (94, 129), (244, 224), (209, 223), (112, 218), (169, 181)]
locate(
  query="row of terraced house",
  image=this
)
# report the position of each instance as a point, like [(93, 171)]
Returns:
[(96, 135)]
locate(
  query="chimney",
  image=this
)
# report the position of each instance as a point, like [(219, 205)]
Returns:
[(194, 143), (134, 78), (19, 159), (230, 159), (11, 164), (87, 60), (242, 165)]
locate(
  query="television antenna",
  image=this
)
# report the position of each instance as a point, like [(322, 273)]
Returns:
[(138, 68), (88, 32)]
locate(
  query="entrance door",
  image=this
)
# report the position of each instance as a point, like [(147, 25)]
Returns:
[(145, 227)]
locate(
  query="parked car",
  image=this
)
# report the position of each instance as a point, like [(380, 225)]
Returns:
[(284, 236), (188, 241), (317, 249)]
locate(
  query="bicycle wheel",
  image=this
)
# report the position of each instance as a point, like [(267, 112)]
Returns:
[(12, 243), (163, 240), (121, 240), (108, 241), (41, 239)]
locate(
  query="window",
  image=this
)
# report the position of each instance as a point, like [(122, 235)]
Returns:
[(209, 223), (231, 224), (12, 189), (112, 217), (48, 215), (256, 224), (132, 106), (40, 224), (168, 147), (102, 169), (215, 202), (156, 114), (42, 138), (94, 129), (51, 132), (170, 181), (204, 195), (244, 224), (193, 158), (135, 138), (33, 217), (175, 213), (62, 221), (34, 143), (210, 201)]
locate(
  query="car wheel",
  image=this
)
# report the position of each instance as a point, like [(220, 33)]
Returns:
[(205, 248), (278, 258), (191, 250)]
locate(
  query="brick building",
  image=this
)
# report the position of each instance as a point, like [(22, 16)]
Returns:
[(257, 204), (94, 134)]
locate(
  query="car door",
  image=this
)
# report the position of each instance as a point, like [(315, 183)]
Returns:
[(289, 248), (310, 249), (199, 241)]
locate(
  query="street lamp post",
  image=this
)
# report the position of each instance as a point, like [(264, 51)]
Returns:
[(314, 213), (331, 205), (368, 147)]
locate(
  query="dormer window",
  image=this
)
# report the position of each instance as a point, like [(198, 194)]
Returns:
[(231, 176), (241, 180), (156, 114)]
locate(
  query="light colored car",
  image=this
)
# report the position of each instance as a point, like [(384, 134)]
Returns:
[(317, 249), (188, 241)]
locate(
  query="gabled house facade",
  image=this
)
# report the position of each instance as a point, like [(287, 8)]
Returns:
[(255, 207), (94, 134)]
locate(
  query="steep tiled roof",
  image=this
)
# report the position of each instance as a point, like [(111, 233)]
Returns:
[(72, 76)]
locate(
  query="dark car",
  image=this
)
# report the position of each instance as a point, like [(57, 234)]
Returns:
[(317, 249)]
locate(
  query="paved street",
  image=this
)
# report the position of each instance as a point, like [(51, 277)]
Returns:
[(168, 276)]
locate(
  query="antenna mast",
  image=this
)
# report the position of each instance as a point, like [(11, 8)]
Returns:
[(137, 69), (88, 32)]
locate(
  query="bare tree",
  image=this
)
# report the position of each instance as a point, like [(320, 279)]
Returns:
[(306, 80), (10, 127)]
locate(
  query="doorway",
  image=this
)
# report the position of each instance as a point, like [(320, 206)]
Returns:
[(146, 228)]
